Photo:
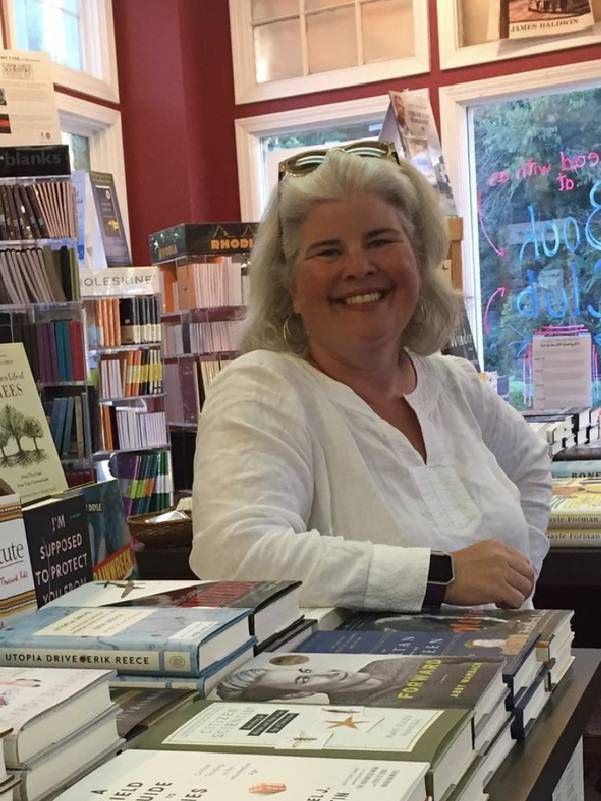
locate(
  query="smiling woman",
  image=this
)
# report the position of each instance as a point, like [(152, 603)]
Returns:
[(342, 449)]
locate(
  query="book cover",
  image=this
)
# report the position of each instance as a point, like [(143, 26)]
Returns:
[(576, 503), (233, 776), (182, 642), (523, 19), (29, 463), (510, 635), (17, 590), (110, 542), (109, 216), (59, 545), (420, 735)]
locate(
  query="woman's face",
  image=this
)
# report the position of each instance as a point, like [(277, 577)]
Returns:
[(356, 281)]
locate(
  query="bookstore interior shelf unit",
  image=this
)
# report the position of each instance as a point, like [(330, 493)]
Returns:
[(39, 292), (126, 370), (203, 279)]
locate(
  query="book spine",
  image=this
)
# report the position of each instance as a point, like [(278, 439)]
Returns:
[(574, 538), (575, 520)]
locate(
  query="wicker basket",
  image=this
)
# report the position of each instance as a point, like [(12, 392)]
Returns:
[(165, 534)]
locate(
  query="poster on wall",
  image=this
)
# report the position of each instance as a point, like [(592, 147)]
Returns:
[(523, 19), (28, 114)]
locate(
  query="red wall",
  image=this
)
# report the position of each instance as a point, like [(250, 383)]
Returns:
[(177, 101)]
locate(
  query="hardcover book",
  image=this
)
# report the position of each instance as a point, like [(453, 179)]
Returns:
[(420, 735), (180, 642), (272, 606), (29, 463), (17, 590), (470, 633), (143, 707), (233, 776), (524, 19), (45, 706), (576, 503), (59, 545)]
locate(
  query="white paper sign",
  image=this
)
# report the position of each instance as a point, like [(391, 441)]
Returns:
[(119, 281), (561, 367), (28, 114)]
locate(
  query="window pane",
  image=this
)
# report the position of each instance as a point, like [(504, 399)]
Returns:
[(538, 172), (79, 150), (45, 25), (332, 40), (277, 147), (278, 50), (312, 5), (265, 9), (387, 29)]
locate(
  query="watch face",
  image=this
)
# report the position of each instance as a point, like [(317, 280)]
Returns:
[(441, 568)]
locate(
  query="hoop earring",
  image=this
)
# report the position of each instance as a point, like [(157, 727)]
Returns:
[(287, 333)]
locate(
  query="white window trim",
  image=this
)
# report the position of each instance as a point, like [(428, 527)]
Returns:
[(250, 131), (454, 103), (100, 78), (452, 54), (102, 126), (247, 90)]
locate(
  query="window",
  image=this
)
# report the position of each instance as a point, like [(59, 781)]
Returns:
[(463, 35), (264, 141), (53, 26), (532, 204), (96, 142), (284, 47), (78, 36)]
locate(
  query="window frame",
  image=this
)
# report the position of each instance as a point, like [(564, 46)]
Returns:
[(452, 54), (455, 102), (247, 90), (250, 130), (102, 125), (99, 77)]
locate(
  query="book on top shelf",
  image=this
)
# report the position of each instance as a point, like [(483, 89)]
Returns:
[(29, 462), (233, 776), (439, 737)]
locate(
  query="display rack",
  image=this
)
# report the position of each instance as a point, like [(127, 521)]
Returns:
[(203, 284)]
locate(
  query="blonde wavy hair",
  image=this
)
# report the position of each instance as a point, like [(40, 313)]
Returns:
[(274, 255)]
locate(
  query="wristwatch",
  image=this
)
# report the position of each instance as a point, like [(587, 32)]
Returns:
[(440, 574)]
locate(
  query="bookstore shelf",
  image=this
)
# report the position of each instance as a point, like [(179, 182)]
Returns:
[(126, 398), (224, 355), (49, 384), (99, 455), (207, 314), (121, 348)]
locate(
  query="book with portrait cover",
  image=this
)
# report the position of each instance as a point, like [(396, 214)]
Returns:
[(29, 463), (509, 635), (524, 19), (435, 736), (375, 680), (216, 777), (180, 642)]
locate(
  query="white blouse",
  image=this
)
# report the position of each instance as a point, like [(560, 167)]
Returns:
[(296, 477)]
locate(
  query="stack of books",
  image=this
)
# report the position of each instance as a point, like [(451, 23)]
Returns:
[(62, 724), (575, 519), (564, 429)]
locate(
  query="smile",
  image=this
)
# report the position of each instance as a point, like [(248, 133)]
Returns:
[(368, 297)]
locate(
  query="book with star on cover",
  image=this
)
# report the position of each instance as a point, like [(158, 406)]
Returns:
[(439, 737)]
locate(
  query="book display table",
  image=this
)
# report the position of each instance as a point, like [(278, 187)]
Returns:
[(535, 764)]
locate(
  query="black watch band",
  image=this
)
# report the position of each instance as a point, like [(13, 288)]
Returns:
[(440, 574)]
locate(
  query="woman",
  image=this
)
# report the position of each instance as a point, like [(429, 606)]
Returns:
[(342, 448)]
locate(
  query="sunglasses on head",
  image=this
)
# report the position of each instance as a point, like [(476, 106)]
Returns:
[(304, 163)]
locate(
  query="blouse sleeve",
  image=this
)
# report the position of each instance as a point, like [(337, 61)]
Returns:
[(520, 453), (252, 498)]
